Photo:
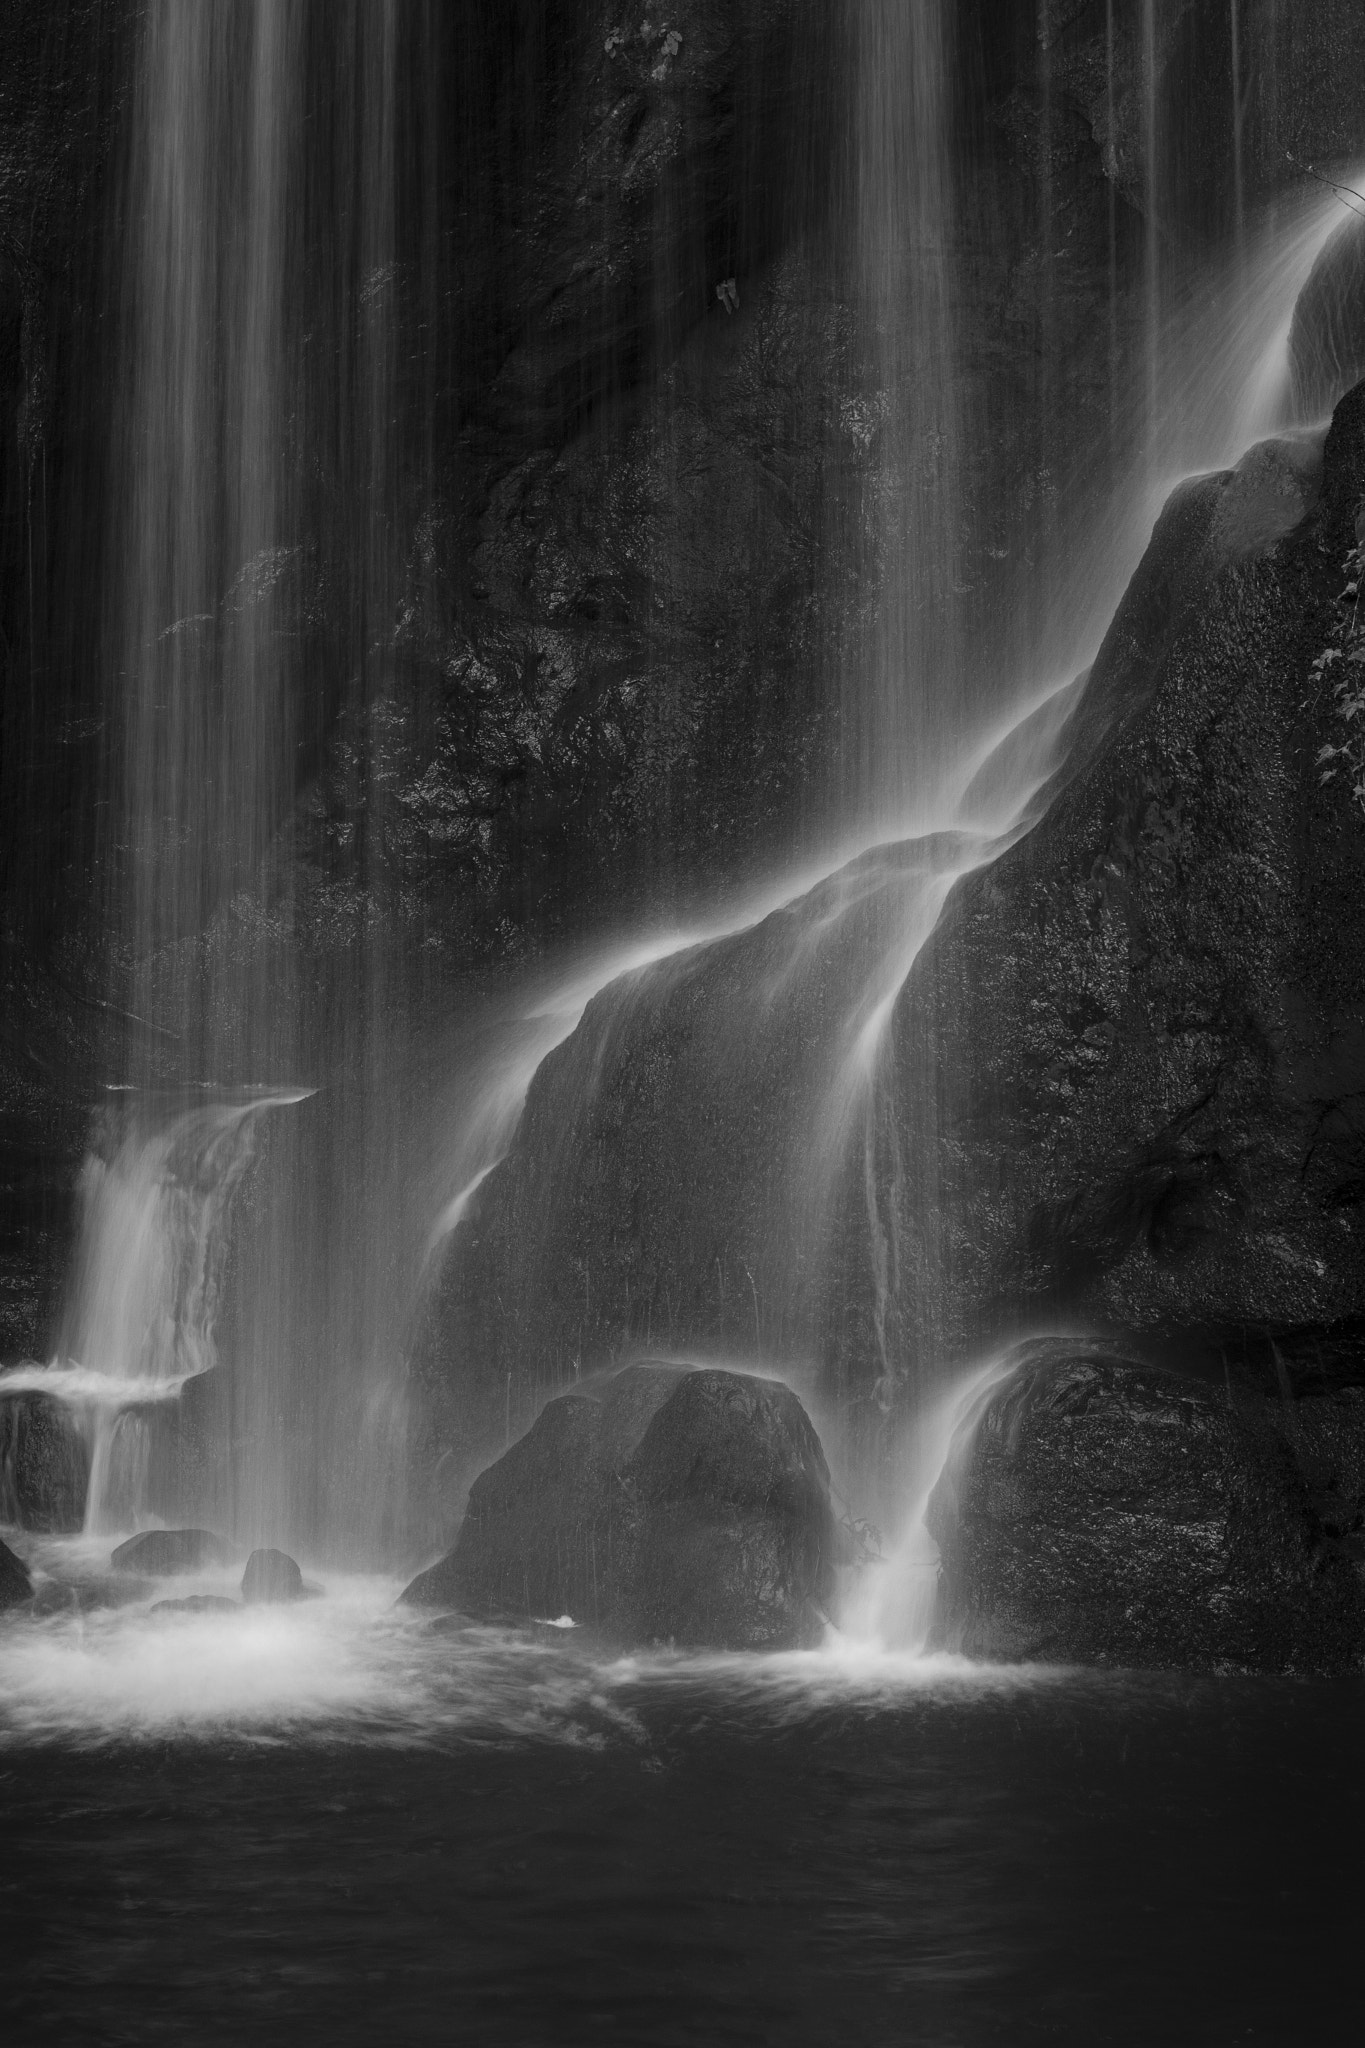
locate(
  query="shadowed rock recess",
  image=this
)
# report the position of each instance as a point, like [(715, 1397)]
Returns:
[(1099, 1509), (670, 1505)]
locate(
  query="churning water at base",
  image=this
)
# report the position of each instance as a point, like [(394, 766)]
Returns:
[(354, 1666)]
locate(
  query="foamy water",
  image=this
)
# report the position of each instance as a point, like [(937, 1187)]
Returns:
[(353, 1665)]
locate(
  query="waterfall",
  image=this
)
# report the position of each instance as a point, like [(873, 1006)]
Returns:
[(903, 697), (1238, 126), (145, 1292), (251, 598), (1151, 195), (795, 1246), (254, 599)]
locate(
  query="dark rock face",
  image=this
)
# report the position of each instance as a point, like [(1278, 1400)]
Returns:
[(15, 1583), (1326, 1437), (678, 1505), (44, 1465), (1102, 1510), (1125, 1074), (163, 1552), (271, 1575), (1160, 916), (627, 571), (1141, 1032)]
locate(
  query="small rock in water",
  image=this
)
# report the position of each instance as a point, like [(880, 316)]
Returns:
[(199, 1603), (164, 1551), (15, 1583), (271, 1575)]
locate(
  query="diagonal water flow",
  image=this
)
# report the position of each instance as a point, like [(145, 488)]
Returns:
[(932, 794), (829, 956), (1228, 386), (1227, 383)]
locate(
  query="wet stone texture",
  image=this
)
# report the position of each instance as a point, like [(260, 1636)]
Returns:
[(671, 1505), (1124, 1080), (15, 1583), (44, 1465), (1105, 1510), (1140, 1035)]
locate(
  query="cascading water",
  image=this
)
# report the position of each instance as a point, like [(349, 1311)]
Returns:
[(211, 694), (411, 1111), (823, 974), (146, 1290), (901, 699), (254, 465)]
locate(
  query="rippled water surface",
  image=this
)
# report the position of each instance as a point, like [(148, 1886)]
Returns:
[(341, 1822)]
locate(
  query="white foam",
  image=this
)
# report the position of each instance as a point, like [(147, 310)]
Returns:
[(353, 1665), (81, 1386)]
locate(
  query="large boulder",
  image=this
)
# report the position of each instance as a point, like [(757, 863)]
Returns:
[(15, 1583), (162, 1553), (270, 1577), (1098, 1509), (44, 1464), (670, 1504)]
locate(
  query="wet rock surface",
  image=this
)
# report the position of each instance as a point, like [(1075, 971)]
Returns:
[(44, 1464), (1100, 1509), (1144, 1026), (688, 1506), (199, 1603), (15, 1583), (1125, 1075), (166, 1552), (629, 571), (271, 1575)]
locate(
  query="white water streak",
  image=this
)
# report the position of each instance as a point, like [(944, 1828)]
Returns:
[(143, 1296)]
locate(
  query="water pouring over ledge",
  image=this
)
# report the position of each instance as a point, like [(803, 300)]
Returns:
[(356, 1818), (808, 993), (873, 919)]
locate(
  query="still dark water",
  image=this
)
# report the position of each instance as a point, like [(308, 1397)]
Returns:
[(681, 1852)]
